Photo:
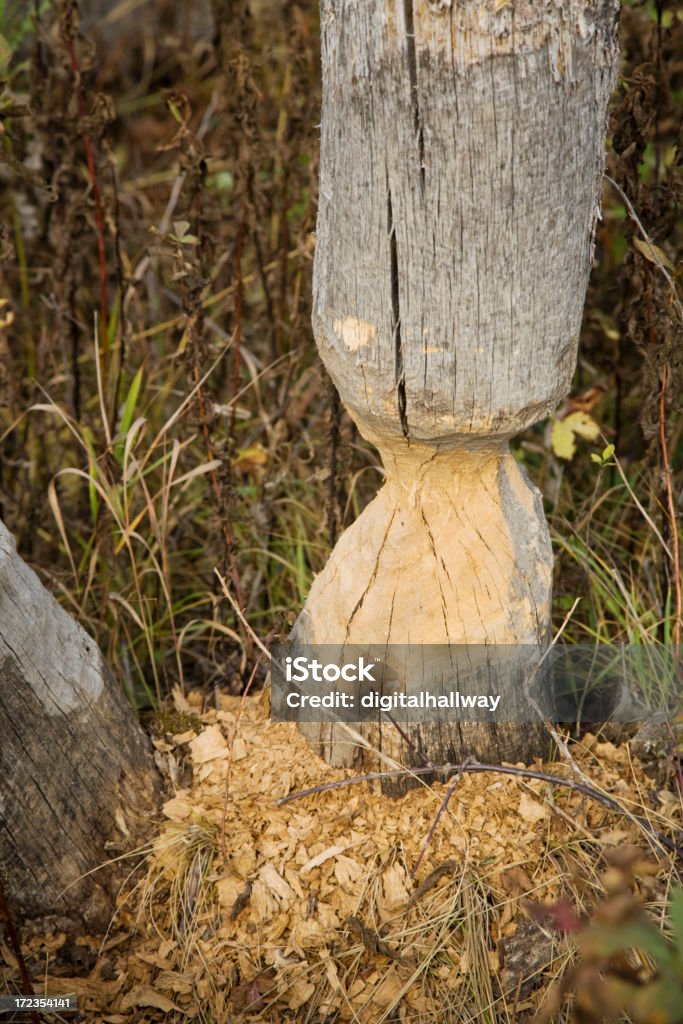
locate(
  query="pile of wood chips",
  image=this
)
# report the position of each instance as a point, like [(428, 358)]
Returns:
[(243, 910)]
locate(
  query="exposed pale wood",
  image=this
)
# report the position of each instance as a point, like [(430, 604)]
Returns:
[(77, 775), (461, 160)]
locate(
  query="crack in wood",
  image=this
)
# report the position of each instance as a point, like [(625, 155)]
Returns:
[(396, 321), (442, 596), (373, 577), (411, 53)]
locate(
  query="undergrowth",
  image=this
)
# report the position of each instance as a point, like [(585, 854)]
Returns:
[(163, 410)]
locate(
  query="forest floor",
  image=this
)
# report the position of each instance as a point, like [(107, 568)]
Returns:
[(350, 905)]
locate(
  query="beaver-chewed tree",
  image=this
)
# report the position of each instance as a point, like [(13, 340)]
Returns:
[(77, 777), (461, 161)]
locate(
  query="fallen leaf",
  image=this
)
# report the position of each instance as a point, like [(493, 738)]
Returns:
[(145, 995), (299, 994)]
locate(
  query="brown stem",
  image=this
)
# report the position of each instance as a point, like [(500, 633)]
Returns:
[(437, 819), (333, 497), (672, 515), (228, 538), (94, 182), (120, 277), (476, 766), (239, 295), (13, 936), (263, 274)]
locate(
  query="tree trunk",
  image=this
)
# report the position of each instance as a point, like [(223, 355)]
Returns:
[(462, 153), (78, 778)]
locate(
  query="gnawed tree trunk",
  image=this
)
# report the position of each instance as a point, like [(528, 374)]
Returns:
[(77, 777), (462, 153)]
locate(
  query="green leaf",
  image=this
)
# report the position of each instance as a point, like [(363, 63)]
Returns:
[(93, 496), (127, 415), (175, 112)]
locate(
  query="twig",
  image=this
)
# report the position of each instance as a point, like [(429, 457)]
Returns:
[(241, 616), (182, 407), (406, 739), (212, 300), (441, 811), (653, 251), (165, 222), (351, 733), (120, 277), (648, 519), (500, 769), (550, 728)]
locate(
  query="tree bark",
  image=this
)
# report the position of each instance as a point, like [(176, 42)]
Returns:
[(78, 779), (462, 152)]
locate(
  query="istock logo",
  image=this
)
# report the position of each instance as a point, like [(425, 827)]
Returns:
[(299, 670)]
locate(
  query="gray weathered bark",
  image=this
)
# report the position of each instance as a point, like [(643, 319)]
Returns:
[(77, 778), (461, 162)]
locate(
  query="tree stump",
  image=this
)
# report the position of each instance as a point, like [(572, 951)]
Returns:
[(462, 154), (78, 777)]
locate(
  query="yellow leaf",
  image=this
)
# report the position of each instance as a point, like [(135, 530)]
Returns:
[(653, 253), (564, 432), (250, 459), (562, 440), (583, 425)]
